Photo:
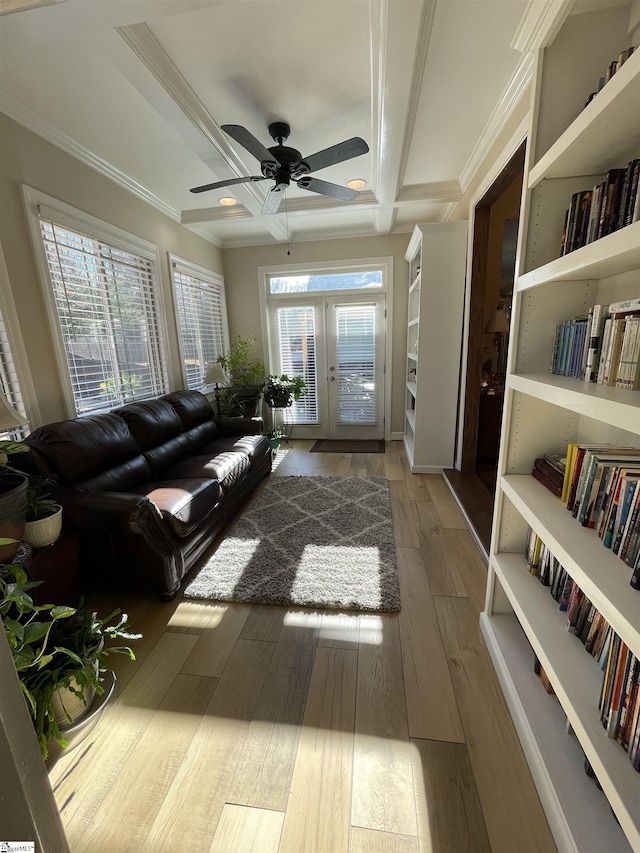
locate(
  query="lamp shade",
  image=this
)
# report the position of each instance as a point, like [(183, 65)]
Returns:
[(215, 375), (498, 322), (9, 418)]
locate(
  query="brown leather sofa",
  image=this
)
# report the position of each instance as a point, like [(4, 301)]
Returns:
[(150, 485)]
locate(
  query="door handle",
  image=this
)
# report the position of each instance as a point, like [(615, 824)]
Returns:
[(333, 378), (332, 368)]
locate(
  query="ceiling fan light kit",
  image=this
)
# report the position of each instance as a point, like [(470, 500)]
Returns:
[(283, 164)]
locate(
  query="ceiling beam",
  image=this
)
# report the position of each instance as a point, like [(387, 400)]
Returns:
[(147, 48)]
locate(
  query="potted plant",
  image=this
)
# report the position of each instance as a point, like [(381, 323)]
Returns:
[(280, 392), (246, 374), (44, 515), (13, 493), (61, 656)]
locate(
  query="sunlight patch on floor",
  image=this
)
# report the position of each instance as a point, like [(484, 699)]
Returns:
[(348, 627), (197, 614)]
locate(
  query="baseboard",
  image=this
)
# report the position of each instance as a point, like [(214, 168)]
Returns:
[(472, 530)]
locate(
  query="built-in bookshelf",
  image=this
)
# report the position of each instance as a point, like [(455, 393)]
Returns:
[(436, 257), (571, 146)]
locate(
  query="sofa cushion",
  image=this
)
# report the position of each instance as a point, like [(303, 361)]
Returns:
[(226, 467), (83, 449), (196, 414), (183, 502), (252, 445), (158, 431)]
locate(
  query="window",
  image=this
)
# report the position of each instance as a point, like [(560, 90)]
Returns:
[(297, 342), (201, 314), (308, 283), (9, 382), (104, 295)]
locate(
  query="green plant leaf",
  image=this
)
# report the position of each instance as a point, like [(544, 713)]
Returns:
[(35, 631), (62, 612)]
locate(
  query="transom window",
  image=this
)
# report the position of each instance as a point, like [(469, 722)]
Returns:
[(318, 282)]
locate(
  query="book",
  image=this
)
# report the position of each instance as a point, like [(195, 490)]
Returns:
[(550, 471), (610, 202), (593, 467), (547, 483), (627, 497), (568, 471), (599, 313)]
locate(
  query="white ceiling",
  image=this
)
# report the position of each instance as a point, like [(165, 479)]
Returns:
[(139, 89)]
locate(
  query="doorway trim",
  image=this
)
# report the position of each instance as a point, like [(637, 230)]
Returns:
[(384, 263), (506, 169)]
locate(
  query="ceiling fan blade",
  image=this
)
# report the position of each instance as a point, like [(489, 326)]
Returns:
[(353, 147), (206, 187), (248, 141), (273, 199), (325, 188)]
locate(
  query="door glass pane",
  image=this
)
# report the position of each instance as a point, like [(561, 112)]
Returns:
[(355, 280), (297, 334), (356, 363)]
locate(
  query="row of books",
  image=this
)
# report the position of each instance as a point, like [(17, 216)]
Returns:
[(601, 347), (611, 204), (613, 66), (601, 491), (619, 701)]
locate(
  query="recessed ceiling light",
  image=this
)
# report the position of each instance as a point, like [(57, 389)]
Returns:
[(227, 200), (356, 184)]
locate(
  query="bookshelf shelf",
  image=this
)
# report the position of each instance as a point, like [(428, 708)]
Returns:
[(600, 573), (588, 146), (613, 406), (611, 255), (585, 821), (543, 413), (435, 301)]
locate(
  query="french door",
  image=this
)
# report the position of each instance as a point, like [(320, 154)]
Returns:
[(337, 344)]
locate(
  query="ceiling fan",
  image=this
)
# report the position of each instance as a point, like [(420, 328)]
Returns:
[(283, 165)]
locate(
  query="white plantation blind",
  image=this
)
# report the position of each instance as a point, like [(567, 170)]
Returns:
[(9, 382), (356, 363), (201, 321), (297, 330), (108, 315)]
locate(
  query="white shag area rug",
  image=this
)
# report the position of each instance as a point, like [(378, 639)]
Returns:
[(323, 542)]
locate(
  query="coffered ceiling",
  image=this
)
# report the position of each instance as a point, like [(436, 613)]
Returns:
[(138, 89)]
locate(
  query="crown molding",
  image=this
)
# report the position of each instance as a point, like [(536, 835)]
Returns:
[(20, 112), (516, 89), (540, 24)]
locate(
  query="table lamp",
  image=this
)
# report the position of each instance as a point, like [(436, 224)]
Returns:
[(9, 418), (215, 375)]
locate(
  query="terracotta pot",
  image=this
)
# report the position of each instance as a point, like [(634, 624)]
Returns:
[(13, 509)]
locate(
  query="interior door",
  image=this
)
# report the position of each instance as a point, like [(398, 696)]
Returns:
[(355, 367)]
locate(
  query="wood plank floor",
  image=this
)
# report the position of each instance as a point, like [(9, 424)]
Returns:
[(266, 730)]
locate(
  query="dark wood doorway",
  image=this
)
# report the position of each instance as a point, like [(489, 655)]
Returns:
[(474, 484)]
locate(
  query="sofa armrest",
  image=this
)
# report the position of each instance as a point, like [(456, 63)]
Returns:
[(109, 511), (239, 426), (140, 543)]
